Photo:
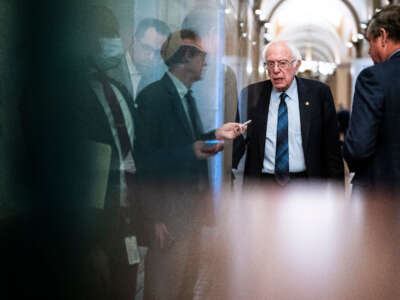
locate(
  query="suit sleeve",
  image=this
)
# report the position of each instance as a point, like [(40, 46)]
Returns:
[(239, 144), (333, 159), (155, 158), (366, 116)]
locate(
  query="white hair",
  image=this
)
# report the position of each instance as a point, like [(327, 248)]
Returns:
[(295, 52)]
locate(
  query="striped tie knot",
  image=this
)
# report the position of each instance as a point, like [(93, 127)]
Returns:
[(283, 96)]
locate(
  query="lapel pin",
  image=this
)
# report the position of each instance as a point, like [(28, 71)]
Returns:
[(307, 103)]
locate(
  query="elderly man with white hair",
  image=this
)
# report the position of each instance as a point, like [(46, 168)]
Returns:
[(293, 134)]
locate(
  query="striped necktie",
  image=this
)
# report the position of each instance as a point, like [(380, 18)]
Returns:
[(116, 110), (282, 144)]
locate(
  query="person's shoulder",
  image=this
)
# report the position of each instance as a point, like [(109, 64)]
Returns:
[(374, 73), (257, 85), (153, 91), (152, 88), (229, 74), (384, 68), (312, 83), (370, 69), (229, 71)]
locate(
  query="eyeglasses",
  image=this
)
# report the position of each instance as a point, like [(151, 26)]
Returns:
[(282, 64), (148, 49), (202, 54)]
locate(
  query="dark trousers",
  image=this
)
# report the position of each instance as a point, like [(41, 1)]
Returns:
[(294, 177), (122, 274), (171, 273), (123, 281), (108, 273)]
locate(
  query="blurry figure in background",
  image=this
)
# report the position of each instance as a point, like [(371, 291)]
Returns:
[(293, 134), (143, 56), (343, 118), (172, 162), (372, 143), (106, 123), (206, 21)]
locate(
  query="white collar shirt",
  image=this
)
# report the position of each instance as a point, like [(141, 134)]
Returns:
[(133, 73), (127, 163), (296, 155), (182, 91)]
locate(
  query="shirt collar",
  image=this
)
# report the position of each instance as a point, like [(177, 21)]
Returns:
[(394, 53), (291, 91), (181, 88), (131, 65)]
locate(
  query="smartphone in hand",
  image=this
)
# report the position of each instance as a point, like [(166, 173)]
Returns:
[(210, 146)]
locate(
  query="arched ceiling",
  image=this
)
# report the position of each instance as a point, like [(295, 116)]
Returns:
[(322, 29)]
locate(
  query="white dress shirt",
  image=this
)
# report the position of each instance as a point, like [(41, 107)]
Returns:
[(134, 74), (182, 91), (127, 163), (296, 155)]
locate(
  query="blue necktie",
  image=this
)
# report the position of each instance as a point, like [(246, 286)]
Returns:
[(282, 144)]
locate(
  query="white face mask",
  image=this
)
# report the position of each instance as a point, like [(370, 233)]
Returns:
[(110, 54)]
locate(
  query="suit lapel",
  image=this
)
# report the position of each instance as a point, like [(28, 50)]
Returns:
[(128, 100), (262, 107), (125, 92), (176, 103), (127, 67), (305, 105), (198, 126)]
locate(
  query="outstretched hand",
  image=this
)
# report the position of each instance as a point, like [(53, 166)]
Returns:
[(230, 131)]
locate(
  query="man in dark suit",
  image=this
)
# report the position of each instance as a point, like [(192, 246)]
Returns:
[(294, 132), (372, 143), (172, 163)]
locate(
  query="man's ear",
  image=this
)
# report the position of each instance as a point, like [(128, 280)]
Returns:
[(186, 57), (298, 64), (384, 36)]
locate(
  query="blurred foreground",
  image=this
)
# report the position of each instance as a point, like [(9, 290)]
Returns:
[(304, 242)]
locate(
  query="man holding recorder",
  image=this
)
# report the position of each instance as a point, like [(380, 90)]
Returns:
[(172, 152)]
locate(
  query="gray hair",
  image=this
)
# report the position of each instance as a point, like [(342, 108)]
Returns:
[(295, 52), (387, 18)]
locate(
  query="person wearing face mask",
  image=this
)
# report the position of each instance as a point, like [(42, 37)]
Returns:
[(109, 55), (107, 124)]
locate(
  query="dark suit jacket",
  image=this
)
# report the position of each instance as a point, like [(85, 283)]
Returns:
[(94, 126), (318, 129), (372, 144), (167, 164), (106, 226)]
